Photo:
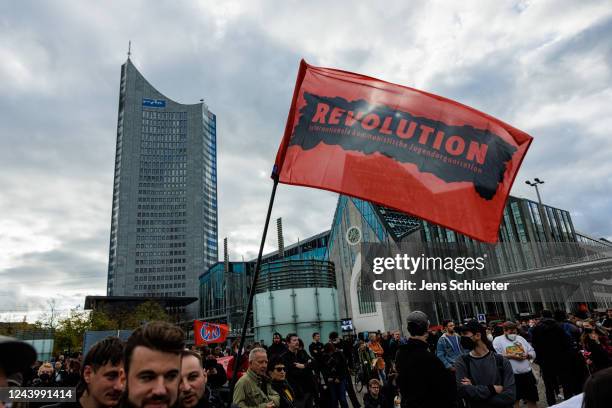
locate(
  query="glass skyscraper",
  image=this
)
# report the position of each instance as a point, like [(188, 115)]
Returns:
[(164, 214)]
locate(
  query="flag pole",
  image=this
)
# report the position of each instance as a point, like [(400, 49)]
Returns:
[(238, 355)]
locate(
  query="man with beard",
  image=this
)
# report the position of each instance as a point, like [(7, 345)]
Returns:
[(193, 390), (449, 346), (278, 348), (153, 365)]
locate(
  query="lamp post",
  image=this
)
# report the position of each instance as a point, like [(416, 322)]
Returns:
[(543, 216)]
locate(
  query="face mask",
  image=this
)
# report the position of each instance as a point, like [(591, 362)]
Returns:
[(467, 343), (45, 377), (511, 337), (490, 337)]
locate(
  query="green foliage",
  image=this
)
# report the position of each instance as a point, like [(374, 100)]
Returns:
[(101, 320), (147, 312), (70, 330)]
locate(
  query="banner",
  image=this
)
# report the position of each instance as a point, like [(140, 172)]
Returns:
[(419, 153), (206, 333)]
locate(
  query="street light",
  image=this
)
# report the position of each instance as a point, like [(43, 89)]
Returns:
[(543, 216)]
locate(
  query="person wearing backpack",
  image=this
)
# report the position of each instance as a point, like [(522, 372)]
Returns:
[(484, 378)]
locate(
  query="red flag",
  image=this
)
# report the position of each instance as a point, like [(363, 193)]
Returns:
[(400, 147), (206, 333)]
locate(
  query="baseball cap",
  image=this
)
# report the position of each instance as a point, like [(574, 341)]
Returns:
[(472, 326), (15, 355), (418, 323)]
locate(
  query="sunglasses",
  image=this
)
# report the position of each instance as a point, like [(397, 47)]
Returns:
[(279, 369)]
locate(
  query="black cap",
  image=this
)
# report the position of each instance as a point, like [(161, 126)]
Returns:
[(473, 327), (15, 356)]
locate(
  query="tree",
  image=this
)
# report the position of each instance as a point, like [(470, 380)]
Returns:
[(70, 331), (101, 320), (146, 312), (49, 319)]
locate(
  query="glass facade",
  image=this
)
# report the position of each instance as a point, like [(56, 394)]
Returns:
[(164, 213), (218, 303), (530, 238)]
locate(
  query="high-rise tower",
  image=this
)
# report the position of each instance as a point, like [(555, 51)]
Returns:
[(164, 216)]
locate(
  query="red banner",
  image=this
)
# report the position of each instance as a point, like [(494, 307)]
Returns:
[(206, 333), (402, 148)]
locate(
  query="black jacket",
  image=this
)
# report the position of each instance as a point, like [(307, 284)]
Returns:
[(316, 351), (287, 395), (300, 379), (334, 366), (276, 349), (552, 345), (423, 381), (220, 378), (369, 402)]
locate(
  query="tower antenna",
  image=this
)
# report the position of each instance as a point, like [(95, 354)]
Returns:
[(129, 48)]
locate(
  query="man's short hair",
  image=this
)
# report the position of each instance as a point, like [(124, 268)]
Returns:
[(187, 353), (256, 350), (333, 335), (446, 322), (374, 381), (108, 350), (315, 334), (509, 325), (159, 336), (290, 335)]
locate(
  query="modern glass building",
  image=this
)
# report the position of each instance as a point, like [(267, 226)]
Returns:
[(296, 296), (164, 212), (296, 292), (224, 296), (535, 245)]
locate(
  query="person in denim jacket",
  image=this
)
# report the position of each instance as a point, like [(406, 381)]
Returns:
[(449, 346)]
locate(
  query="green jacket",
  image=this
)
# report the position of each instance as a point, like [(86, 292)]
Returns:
[(249, 392)]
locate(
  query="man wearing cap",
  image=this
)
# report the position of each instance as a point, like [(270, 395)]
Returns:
[(423, 381), (484, 378), (15, 357), (516, 349)]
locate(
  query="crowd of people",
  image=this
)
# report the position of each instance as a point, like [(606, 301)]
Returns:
[(469, 365)]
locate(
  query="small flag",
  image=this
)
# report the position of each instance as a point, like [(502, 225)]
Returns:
[(206, 333)]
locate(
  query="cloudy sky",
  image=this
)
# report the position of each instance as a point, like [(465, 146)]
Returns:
[(543, 66)]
